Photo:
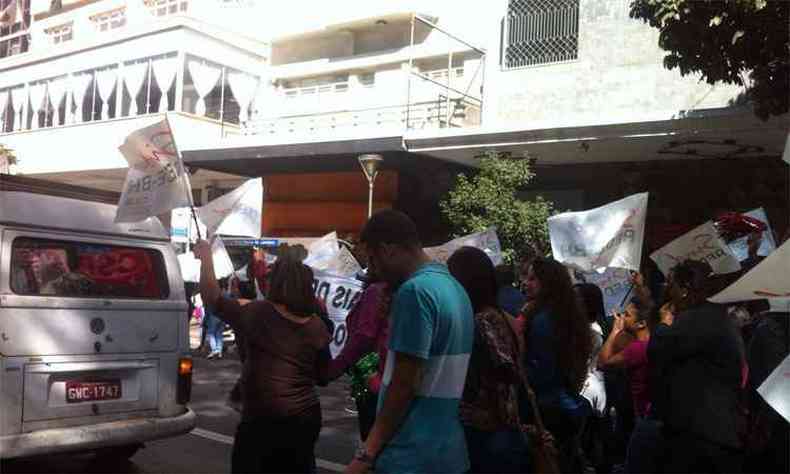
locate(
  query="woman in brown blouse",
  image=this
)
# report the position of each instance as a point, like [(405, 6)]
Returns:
[(287, 347), (489, 407)]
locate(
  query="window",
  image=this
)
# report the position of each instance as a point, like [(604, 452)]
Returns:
[(167, 7), (110, 20), (367, 79), (43, 267), (15, 33), (61, 33), (540, 32)]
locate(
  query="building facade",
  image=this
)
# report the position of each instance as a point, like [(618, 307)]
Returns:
[(77, 77), (577, 85)]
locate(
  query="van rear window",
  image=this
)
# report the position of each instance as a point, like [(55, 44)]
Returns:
[(44, 267)]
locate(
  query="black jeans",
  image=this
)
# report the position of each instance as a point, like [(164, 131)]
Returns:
[(276, 445), (687, 453), (498, 452), (366, 414)]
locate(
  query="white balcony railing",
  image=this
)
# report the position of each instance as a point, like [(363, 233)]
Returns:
[(414, 116)]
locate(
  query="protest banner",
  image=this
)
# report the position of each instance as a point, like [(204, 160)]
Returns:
[(487, 241), (340, 294), (236, 213), (615, 284), (740, 247), (607, 236), (776, 389), (769, 279), (702, 243), (156, 181)]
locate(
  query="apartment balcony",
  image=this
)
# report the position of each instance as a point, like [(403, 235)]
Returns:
[(384, 100)]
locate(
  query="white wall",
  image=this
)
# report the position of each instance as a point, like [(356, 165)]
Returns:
[(92, 145), (618, 77)]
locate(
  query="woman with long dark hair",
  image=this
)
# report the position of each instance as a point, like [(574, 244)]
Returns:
[(489, 406), (558, 348)]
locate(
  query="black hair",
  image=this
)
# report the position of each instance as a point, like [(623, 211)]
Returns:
[(390, 227), (696, 278), (505, 276), (592, 298), (291, 284), (475, 271)]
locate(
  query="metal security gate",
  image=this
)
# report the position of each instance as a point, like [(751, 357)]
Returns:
[(540, 32)]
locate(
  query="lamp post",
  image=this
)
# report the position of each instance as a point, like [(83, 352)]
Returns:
[(370, 166)]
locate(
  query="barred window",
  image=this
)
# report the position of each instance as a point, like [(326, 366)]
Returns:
[(540, 32), (61, 33), (110, 20)]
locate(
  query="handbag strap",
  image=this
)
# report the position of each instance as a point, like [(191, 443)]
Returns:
[(525, 382)]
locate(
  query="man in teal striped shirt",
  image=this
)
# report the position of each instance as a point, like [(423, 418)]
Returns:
[(417, 428)]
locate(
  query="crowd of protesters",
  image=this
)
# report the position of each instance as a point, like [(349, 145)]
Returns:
[(475, 372)]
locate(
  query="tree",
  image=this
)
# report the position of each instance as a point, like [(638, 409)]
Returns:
[(489, 198), (743, 42)]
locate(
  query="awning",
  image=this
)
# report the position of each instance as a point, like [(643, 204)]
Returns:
[(257, 156)]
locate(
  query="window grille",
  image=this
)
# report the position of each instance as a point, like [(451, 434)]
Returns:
[(540, 32), (61, 33), (110, 20)]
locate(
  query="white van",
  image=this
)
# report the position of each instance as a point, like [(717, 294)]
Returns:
[(94, 347)]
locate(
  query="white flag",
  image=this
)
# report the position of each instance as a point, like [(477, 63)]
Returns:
[(487, 241), (9, 13), (776, 389), (702, 243), (607, 236), (322, 252), (769, 279), (190, 266), (236, 213), (223, 265), (156, 182), (344, 264)]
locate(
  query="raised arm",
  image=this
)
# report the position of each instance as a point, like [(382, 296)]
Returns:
[(224, 308), (611, 356)]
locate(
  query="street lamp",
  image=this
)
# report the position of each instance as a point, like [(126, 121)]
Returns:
[(370, 166)]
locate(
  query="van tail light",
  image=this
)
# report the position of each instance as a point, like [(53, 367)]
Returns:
[(184, 390)]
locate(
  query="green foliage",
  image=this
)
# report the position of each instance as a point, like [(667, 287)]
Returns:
[(360, 373), (489, 198), (726, 41)]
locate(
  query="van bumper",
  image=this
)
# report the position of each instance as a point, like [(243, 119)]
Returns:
[(100, 435)]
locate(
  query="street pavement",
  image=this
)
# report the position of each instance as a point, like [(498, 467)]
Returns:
[(207, 449)]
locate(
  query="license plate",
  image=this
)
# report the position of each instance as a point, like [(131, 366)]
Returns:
[(77, 392)]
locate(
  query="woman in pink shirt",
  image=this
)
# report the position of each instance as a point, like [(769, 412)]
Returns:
[(626, 348), (631, 333), (367, 324)]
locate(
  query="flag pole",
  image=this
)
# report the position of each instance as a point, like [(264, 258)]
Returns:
[(184, 170)]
